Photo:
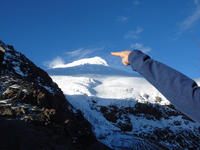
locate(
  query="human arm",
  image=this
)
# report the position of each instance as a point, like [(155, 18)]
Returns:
[(180, 90)]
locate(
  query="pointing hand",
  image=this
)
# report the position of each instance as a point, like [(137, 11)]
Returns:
[(124, 55)]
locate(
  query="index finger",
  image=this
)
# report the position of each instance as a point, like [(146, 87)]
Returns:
[(117, 54)]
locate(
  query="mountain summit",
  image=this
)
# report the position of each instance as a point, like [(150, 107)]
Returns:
[(88, 66), (92, 61)]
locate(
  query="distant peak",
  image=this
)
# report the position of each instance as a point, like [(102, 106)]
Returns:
[(92, 61)]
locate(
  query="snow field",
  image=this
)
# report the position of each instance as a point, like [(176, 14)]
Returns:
[(88, 91)]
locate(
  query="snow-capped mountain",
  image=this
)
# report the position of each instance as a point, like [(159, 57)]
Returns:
[(91, 61), (125, 111), (122, 109)]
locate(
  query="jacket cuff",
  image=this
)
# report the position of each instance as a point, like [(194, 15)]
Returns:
[(137, 60)]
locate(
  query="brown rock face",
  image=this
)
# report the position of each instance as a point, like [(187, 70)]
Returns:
[(34, 113)]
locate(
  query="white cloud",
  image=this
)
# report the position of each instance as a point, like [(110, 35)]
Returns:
[(55, 62), (122, 19), (134, 34), (71, 56), (82, 52), (74, 53), (191, 20), (196, 2), (141, 47), (136, 2)]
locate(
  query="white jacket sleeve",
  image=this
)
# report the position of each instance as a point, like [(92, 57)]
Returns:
[(180, 90)]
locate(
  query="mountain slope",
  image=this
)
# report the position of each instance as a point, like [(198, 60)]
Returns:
[(34, 113), (125, 111)]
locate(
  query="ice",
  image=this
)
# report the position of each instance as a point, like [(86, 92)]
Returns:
[(94, 60), (90, 83)]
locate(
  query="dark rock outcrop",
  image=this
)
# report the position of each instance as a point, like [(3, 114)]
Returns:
[(34, 113), (162, 138)]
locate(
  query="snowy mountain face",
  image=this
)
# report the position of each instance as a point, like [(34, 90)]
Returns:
[(125, 111), (34, 113), (91, 61)]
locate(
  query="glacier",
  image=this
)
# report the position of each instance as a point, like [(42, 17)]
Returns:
[(126, 112)]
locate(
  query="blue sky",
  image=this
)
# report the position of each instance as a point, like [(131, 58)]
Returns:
[(49, 31)]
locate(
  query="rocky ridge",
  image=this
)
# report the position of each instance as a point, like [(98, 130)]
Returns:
[(34, 113)]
